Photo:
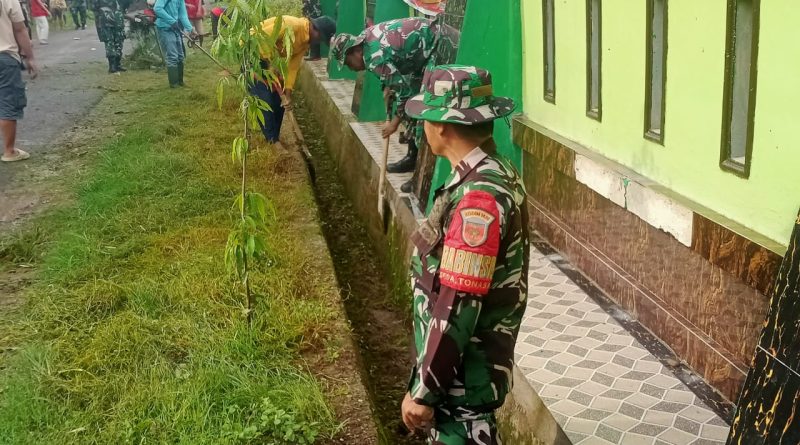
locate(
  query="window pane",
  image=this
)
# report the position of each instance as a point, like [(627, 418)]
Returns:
[(594, 52), (743, 38), (656, 65), (740, 85), (549, 50)]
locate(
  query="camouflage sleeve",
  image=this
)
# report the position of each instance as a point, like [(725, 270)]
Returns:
[(465, 273), (382, 64)]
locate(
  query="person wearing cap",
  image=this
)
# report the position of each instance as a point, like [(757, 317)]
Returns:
[(278, 95), (469, 268), (398, 52)]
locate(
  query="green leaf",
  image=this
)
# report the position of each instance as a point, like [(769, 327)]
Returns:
[(251, 245), (220, 93)]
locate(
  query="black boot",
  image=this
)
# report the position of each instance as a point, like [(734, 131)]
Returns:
[(172, 75), (180, 74), (408, 162), (118, 61), (407, 186), (112, 66)]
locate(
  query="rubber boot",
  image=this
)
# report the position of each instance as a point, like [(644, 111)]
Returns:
[(408, 162), (180, 74), (407, 186), (112, 66), (118, 61), (172, 75)]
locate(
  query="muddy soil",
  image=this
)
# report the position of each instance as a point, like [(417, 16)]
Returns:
[(382, 329)]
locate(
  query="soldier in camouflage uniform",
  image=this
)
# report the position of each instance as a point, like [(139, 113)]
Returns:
[(78, 10), (109, 18), (398, 52), (469, 270)]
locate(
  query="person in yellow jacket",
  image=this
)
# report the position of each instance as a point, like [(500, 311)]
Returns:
[(306, 33)]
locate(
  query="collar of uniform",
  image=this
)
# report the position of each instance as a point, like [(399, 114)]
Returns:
[(466, 165)]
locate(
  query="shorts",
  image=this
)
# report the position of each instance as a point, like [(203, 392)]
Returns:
[(12, 88)]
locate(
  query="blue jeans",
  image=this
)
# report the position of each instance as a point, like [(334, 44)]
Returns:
[(272, 119), (172, 44)]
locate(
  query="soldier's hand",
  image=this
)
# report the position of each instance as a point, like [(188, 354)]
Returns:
[(416, 416), (391, 127)]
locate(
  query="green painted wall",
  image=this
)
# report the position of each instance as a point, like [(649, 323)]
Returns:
[(372, 107), (688, 163), (328, 8), (491, 38), (350, 19)]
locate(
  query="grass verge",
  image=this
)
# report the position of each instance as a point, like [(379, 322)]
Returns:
[(133, 331)]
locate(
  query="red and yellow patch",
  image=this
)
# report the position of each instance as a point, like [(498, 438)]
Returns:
[(471, 245)]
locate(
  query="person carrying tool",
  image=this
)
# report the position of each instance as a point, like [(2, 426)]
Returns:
[(279, 94), (171, 21), (470, 263), (398, 52)]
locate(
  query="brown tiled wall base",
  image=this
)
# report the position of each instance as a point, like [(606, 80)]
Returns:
[(708, 315)]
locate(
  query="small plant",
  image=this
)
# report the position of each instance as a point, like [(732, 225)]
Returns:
[(275, 426), (243, 42)]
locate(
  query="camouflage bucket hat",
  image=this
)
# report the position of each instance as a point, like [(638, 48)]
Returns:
[(342, 43), (460, 95)]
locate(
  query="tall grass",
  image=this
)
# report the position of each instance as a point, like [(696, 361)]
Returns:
[(133, 331)]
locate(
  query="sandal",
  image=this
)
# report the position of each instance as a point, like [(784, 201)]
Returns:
[(19, 155)]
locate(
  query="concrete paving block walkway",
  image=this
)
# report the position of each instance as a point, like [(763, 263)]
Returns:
[(602, 385)]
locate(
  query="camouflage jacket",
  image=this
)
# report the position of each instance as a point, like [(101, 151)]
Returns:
[(398, 51), (469, 275), (109, 15)]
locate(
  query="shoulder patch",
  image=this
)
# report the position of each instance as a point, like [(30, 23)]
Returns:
[(471, 244), (475, 226)]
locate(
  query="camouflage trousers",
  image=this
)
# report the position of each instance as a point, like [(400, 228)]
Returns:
[(413, 130), (469, 429), (113, 41), (78, 15)]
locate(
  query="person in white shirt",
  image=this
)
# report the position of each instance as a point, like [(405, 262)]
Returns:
[(14, 44)]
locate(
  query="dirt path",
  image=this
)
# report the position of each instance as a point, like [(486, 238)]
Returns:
[(69, 85)]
